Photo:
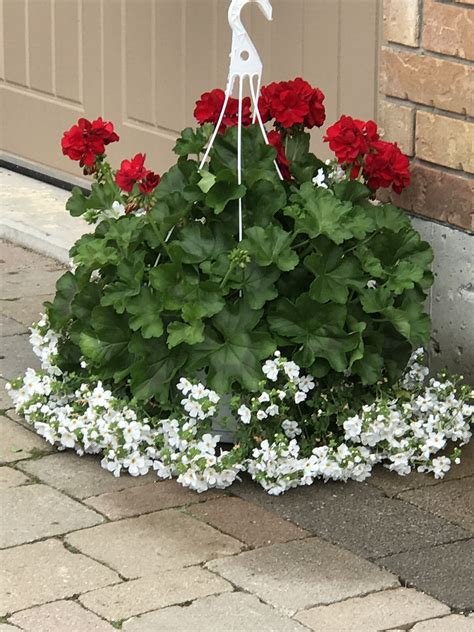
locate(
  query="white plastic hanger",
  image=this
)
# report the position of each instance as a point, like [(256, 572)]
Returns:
[(245, 63)]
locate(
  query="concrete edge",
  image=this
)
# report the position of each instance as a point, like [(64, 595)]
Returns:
[(43, 243)]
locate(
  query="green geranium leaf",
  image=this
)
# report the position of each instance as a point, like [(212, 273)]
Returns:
[(233, 349), (105, 344), (271, 245), (94, 253), (370, 367), (222, 193), (263, 199), (317, 211), (376, 300), (59, 311), (351, 191), (258, 285), (152, 375), (77, 203), (207, 181), (128, 284), (318, 328), (179, 332), (369, 262), (197, 242), (145, 310), (255, 152), (193, 141), (334, 275)]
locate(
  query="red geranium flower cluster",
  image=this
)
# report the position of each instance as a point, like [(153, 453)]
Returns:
[(87, 140), (209, 108), (357, 146), (292, 103), (133, 171)]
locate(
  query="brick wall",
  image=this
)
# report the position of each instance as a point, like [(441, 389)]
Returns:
[(427, 103)]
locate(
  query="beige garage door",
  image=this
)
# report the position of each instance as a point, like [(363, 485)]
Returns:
[(143, 63)]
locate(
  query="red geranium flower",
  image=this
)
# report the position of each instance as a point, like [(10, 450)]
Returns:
[(347, 138), (130, 172), (292, 103), (317, 112), (209, 108), (276, 140), (149, 184), (87, 140), (386, 167)]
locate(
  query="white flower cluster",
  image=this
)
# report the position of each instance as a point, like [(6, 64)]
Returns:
[(405, 432), (45, 345)]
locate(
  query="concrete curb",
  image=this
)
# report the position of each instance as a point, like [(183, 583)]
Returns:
[(44, 243)]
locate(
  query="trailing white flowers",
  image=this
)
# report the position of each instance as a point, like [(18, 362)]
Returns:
[(406, 428)]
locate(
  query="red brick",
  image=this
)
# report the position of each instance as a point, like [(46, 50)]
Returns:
[(440, 195), (398, 123), (445, 141), (401, 21), (448, 29), (443, 84)]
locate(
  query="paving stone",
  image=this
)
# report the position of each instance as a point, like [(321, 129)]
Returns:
[(247, 522), (11, 478), (232, 612), (153, 543), (392, 484), (27, 273), (303, 573), (4, 627), (18, 443), (16, 356), (27, 309), (445, 572), (357, 517), (32, 512), (374, 612), (58, 617), (5, 399), (80, 476), (33, 574), (145, 499), (453, 623), (452, 500), (10, 327), (153, 592)]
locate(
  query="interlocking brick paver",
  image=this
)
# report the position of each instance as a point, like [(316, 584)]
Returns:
[(11, 478), (27, 309), (445, 572), (392, 484), (358, 517), (141, 500), (5, 399), (80, 476), (303, 573), (16, 442), (153, 543), (17, 354), (153, 592), (247, 522), (453, 623), (33, 574), (27, 273), (452, 500), (11, 327), (32, 512), (59, 617), (232, 612), (374, 612)]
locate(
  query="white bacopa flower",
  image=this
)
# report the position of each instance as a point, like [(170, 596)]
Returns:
[(300, 396), (441, 465), (184, 386), (320, 179), (264, 397), (199, 391), (208, 443), (291, 428), (372, 284), (261, 414), (271, 370), (306, 383), (272, 410), (292, 370), (245, 414)]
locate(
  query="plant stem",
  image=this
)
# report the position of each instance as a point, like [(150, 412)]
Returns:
[(227, 274)]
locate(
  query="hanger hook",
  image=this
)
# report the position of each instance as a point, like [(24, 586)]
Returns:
[(236, 7)]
